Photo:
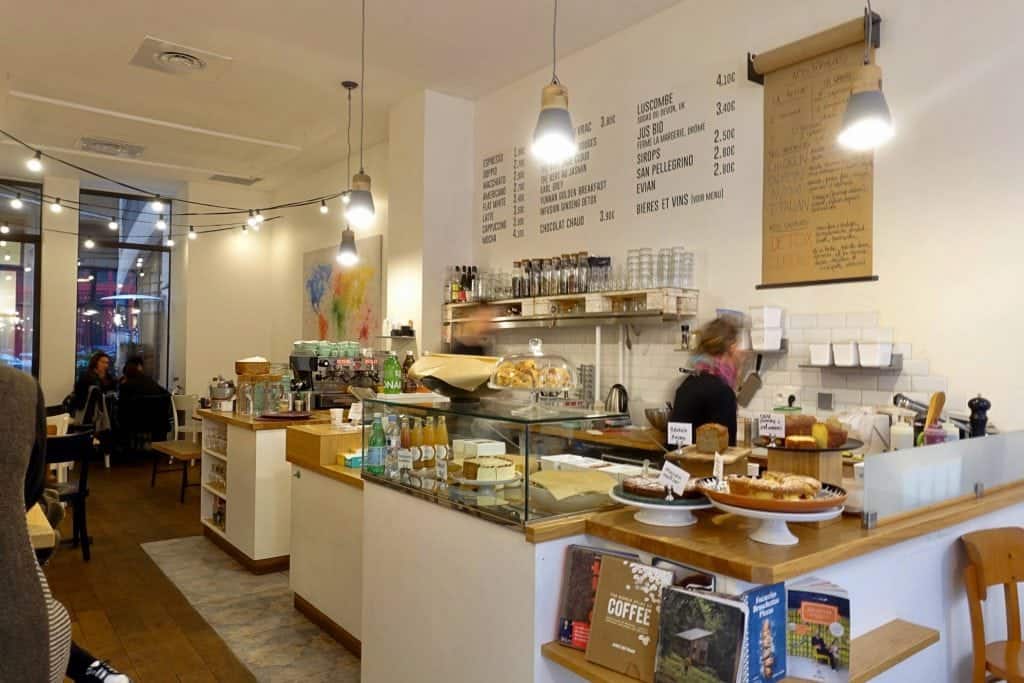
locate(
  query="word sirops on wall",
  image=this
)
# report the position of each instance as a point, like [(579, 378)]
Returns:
[(659, 151)]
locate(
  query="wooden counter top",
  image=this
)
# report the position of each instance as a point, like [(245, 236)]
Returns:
[(315, 447), (646, 439), (257, 424), (871, 654), (39, 530), (719, 543)]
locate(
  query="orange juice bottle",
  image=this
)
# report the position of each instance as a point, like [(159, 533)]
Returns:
[(415, 443), (427, 448), (442, 453), (404, 447)]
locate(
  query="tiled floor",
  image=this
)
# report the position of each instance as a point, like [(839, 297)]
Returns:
[(123, 607), (253, 614)]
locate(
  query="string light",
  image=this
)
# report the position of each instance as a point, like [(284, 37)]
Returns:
[(170, 242), (157, 204), (192, 232), (16, 203), (323, 206), (28, 269), (251, 220), (88, 244), (56, 207), (3, 243), (35, 164), (258, 216), (112, 224), (245, 229), (161, 224), (4, 229)]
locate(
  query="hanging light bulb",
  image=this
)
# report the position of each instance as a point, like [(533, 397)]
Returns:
[(16, 203), (170, 242), (323, 206), (161, 224), (88, 244), (258, 217), (157, 204), (554, 138), (4, 229), (360, 210), (347, 254), (245, 229), (112, 224), (56, 206), (251, 220), (867, 123), (35, 164), (192, 232), (3, 243)]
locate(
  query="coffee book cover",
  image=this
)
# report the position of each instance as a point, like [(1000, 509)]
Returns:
[(624, 632), (579, 587), (700, 637), (818, 631), (766, 633)]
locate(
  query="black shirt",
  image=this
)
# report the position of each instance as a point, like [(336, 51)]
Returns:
[(703, 399)]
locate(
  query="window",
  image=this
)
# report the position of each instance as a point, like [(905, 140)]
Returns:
[(21, 215), (123, 283)]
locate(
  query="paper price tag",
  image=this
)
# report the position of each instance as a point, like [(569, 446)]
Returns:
[(718, 471), (680, 433), (674, 477), (771, 424), (355, 413)]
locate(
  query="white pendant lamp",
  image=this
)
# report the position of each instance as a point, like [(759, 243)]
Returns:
[(867, 123), (360, 210), (347, 254), (554, 138)]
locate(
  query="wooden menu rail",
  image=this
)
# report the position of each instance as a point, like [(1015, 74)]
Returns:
[(871, 654)]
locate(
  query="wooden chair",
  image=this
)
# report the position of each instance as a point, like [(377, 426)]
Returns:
[(184, 451), (995, 556), (77, 449)]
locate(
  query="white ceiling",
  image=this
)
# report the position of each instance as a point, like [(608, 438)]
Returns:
[(276, 111)]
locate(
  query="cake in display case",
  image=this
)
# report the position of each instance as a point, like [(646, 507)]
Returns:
[(491, 459)]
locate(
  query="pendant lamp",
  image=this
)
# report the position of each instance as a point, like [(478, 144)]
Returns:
[(867, 123), (554, 138), (360, 210), (347, 254)]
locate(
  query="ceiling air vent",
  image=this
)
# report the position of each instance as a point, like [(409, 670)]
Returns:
[(114, 148), (179, 60), (235, 180)]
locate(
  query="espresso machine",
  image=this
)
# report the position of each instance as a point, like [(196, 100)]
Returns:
[(330, 377)]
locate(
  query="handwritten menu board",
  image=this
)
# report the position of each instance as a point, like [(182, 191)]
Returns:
[(818, 197), (658, 152)]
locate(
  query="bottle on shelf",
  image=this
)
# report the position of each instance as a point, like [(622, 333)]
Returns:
[(583, 272), (392, 372), (442, 451), (408, 384), (377, 446), (554, 276), (405, 462), (536, 276), (392, 436), (454, 295), (427, 449), (517, 279), (416, 443)]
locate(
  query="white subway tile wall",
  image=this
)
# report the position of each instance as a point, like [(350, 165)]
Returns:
[(651, 370)]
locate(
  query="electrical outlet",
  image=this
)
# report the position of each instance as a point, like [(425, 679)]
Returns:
[(824, 400)]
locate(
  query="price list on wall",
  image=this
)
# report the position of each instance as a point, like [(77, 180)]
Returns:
[(685, 145), (494, 205), (519, 192)]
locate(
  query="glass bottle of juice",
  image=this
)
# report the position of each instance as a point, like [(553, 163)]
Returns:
[(404, 447), (442, 453), (391, 433), (377, 447), (415, 442), (427, 449)]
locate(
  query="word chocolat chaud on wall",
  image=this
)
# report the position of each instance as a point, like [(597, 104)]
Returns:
[(676, 148)]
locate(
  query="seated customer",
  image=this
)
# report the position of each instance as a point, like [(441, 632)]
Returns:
[(144, 406), (96, 374), (136, 382)]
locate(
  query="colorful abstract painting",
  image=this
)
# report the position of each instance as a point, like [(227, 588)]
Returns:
[(339, 303)]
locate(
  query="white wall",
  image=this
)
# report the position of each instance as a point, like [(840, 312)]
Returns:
[(58, 294), (306, 229), (946, 234)]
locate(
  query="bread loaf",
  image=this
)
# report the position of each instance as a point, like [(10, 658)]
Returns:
[(712, 438), (799, 425)]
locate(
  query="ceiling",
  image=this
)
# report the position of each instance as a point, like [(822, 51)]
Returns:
[(275, 109)]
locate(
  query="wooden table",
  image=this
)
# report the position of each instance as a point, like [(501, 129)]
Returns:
[(39, 530)]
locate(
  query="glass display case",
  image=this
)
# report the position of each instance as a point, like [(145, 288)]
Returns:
[(489, 458)]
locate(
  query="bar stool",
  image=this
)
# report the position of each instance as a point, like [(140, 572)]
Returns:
[(995, 556)]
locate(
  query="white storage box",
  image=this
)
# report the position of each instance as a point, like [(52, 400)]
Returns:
[(476, 449), (821, 355), (766, 338), (568, 461), (765, 316), (844, 354), (875, 355)]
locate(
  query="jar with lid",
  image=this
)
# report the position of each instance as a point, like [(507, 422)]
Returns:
[(517, 276), (554, 276), (535, 277), (582, 272)]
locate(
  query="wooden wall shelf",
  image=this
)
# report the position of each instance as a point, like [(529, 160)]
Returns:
[(872, 654)]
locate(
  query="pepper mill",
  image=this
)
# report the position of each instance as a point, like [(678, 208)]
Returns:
[(979, 415)]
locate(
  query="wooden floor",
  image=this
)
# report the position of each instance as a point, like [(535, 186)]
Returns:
[(122, 606)]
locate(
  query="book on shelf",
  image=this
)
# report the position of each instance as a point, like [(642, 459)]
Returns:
[(579, 587), (818, 631), (624, 632)]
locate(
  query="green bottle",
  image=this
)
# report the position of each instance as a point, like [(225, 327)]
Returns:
[(392, 375), (377, 448)]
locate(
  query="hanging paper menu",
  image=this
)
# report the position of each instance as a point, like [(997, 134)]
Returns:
[(818, 196)]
